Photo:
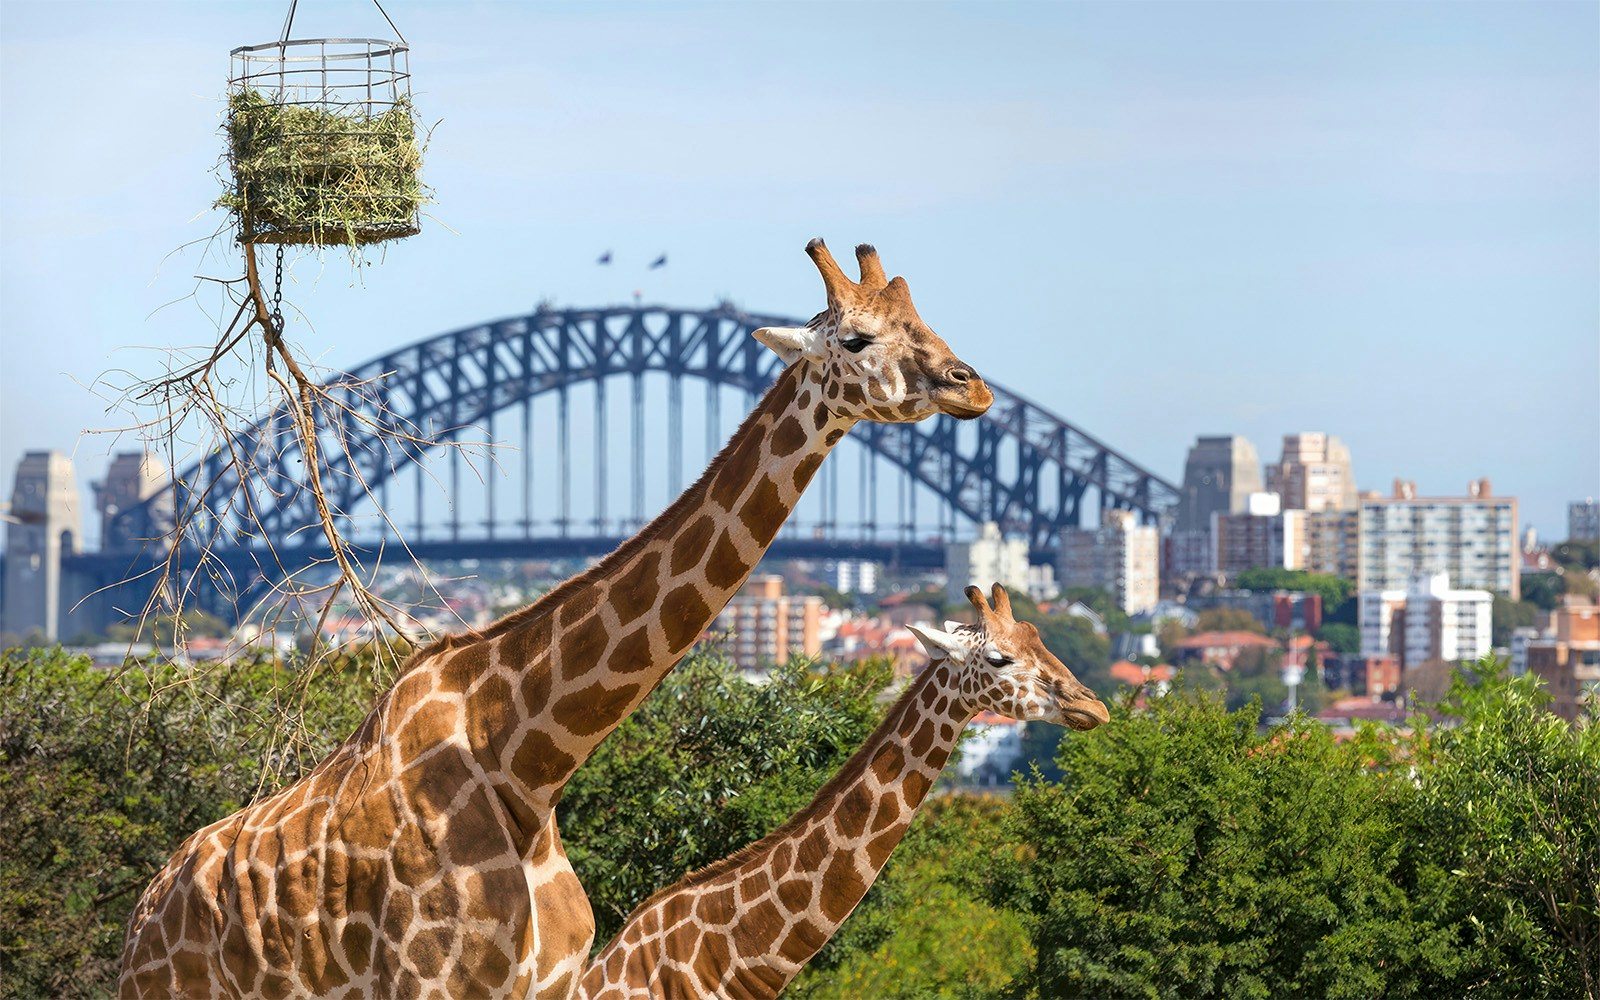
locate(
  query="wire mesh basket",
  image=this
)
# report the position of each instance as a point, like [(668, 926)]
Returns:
[(322, 142)]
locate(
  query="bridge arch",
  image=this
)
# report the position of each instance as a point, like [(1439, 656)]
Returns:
[(1022, 467)]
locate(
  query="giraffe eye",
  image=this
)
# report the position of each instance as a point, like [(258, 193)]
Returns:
[(998, 659), (855, 345)]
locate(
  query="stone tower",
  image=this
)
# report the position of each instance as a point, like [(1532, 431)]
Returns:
[(134, 477), (43, 525)]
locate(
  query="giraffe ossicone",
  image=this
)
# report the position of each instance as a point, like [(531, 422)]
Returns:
[(745, 926), (421, 857)]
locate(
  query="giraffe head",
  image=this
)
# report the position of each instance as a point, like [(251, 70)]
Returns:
[(1002, 665), (875, 358)]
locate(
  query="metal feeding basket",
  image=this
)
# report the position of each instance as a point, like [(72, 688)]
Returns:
[(322, 141)]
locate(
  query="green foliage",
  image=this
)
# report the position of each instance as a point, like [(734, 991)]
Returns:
[(709, 763), (102, 775), (1228, 620), (1334, 590), (1185, 854), (1507, 821), (1340, 637), (1577, 554), (1507, 614), (934, 939)]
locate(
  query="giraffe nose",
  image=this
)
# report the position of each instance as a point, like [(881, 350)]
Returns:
[(961, 374)]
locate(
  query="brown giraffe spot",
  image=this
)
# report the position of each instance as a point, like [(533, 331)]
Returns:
[(886, 764), (758, 928), (430, 787), (715, 906), (596, 707), (463, 666), (804, 940), (367, 882), (634, 592), (674, 982), (833, 437), (413, 862), (916, 787), (787, 437), (680, 943), (819, 416), (888, 810), (683, 614), (536, 685), (525, 643), (842, 887), (764, 512), (806, 468), (488, 711), (713, 958), (852, 394), (492, 966), (881, 846), (813, 850), (725, 566), (735, 472), (632, 652), (947, 733), (429, 949), (782, 859), (275, 986), (189, 966), (690, 545), (475, 833), (795, 893), (435, 723), (440, 903), (297, 886), (850, 817), (754, 885), (356, 942), (540, 763), (922, 740), (757, 981), (582, 646)]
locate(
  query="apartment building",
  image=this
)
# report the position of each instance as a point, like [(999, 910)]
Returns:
[(1471, 539), (1121, 557), (1428, 620), (989, 559), (1262, 535), (765, 625), (1567, 658)]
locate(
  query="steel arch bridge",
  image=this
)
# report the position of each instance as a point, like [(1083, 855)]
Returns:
[(1019, 465)]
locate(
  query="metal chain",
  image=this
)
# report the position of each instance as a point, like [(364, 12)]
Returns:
[(277, 293)]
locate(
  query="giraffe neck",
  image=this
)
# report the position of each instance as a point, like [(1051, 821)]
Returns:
[(748, 924), (547, 684)]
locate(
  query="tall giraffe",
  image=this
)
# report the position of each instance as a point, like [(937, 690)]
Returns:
[(421, 857), (745, 926)]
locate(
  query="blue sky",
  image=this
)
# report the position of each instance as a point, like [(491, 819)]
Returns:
[(1159, 220)]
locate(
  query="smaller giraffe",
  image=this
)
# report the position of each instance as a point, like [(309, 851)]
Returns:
[(746, 925)]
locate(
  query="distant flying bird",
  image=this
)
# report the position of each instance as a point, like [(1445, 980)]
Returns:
[(605, 258), (660, 261)]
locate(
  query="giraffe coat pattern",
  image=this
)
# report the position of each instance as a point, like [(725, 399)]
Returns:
[(421, 857)]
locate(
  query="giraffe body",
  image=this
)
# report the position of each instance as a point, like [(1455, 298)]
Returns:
[(422, 857), (745, 926)]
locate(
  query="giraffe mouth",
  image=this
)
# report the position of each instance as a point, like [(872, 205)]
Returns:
[(1084, 714), (964, 402)]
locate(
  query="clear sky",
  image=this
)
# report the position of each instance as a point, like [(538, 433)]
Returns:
[(1381, 220)]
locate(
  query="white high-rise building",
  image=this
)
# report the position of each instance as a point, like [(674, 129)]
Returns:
[(989, 559), (1470, 539), (1426, 621), (1121, 557)]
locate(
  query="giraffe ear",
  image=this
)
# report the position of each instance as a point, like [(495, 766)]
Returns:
[(950, 624), (939, 644), (791, 343)]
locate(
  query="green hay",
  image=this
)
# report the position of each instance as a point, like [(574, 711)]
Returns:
[(305, 174)]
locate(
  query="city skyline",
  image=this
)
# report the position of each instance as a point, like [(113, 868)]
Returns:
[(1377, 222)]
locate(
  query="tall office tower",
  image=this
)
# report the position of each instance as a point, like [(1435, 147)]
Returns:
[(1583, 520), (1121, 557), (1472, 539), (1314, 473), (1221, 473), (44, 526)]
